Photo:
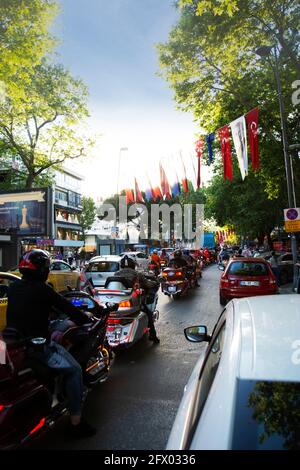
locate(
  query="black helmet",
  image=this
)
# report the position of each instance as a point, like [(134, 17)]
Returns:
[(35, 264), (127, 262), (178, 254)]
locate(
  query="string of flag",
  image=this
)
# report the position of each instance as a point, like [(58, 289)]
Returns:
[(237, 132)]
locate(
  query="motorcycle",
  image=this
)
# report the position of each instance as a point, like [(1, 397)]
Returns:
[(32, 397), (175, 282), (130, 323), (154, 268)]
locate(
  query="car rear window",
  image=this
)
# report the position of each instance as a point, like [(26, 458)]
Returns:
[(268, 413), (102, 267), (241, 268)]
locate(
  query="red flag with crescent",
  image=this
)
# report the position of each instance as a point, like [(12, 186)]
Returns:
[(224, 136), (252, 124)]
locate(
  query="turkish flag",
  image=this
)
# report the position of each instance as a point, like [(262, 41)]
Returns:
[(129, 196), (164, 183), (199, 151), (138, 194), (252, 124), (224, 136)]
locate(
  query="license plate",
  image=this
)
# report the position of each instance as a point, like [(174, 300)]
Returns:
[(250, 283), (114, 335), (172, 289)]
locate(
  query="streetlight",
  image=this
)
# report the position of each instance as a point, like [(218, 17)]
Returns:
[(266, 51), (122, 149)]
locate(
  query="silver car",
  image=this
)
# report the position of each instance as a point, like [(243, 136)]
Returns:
[(244, 392), (99, 269)]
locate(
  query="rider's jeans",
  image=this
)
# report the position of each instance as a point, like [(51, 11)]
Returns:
[(56, 357)]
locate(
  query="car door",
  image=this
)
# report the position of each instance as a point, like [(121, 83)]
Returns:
[(142, 260), (197, 390), (61, 276)]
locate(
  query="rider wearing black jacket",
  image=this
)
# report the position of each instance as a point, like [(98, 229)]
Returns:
[(128, 271), (30, 301)]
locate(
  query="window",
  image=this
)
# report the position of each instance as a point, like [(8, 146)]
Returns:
[(208, 374), (240, 268), (102, 267), (59, 266), (268, 413)]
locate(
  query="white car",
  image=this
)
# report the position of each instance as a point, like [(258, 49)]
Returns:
[(99, 269), (244, 392), (141, 259)]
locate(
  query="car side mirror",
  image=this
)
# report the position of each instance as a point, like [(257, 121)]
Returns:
[(74, 268), (197, 334), (221, 267)]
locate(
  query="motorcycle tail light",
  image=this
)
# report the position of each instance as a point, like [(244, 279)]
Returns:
[(113, 321), (165, 274), (38, 426), (2, 407), (178, 273), (125, 304)]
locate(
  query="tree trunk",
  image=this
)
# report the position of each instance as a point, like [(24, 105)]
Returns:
[(30, 180)]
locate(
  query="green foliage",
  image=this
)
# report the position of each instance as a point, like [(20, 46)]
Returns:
[(210, 63), (24, 40), (88, 214), (42, 128)]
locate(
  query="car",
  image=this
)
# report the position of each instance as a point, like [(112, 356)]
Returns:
[(247, 277), (5, 280), (61, 276), (141, 258), (244, 391), (285, 265), (99, 269)]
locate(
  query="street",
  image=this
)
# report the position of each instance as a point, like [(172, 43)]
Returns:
[(135, 408)]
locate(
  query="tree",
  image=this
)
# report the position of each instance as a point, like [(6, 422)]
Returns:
[(43, 128), (24, 40), (210, 63), (88, 214)]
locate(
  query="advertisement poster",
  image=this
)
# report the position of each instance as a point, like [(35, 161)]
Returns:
[(23, 213)]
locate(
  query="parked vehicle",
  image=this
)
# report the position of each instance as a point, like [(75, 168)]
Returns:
[(141, 259), (130, 323), (247, 277), (32, 398), (244, 391), (99, 269), (61, 276), (285, 265), (5, 280)]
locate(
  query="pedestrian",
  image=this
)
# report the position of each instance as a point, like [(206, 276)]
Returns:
[(275, 268)]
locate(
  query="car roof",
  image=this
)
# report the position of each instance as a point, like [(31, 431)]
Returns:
[(268, 328), (115, 258)]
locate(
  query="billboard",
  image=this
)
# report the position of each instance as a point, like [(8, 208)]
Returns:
[(24, 213)]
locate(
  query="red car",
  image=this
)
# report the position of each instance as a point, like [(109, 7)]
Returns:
[(247, 277)]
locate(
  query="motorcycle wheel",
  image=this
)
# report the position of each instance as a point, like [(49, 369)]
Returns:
[(98, 366)]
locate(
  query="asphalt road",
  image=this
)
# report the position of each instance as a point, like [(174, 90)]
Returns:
[(135, 408)]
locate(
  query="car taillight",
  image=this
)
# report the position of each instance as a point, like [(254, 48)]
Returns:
[(224, 280), (272, 281), (125, 304), (113, 321)]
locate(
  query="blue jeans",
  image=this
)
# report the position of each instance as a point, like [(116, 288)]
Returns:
[(276, 273), (56, 357)]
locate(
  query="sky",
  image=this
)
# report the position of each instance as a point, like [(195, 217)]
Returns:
[(111, 46)]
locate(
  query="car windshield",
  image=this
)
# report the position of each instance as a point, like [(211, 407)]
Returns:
[(102, 267), (241, 268), (268, 413)]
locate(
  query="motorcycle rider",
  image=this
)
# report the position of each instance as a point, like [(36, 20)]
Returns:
[(30, 301), (128, 271), (178, 261), (155, 259), (164, 256)]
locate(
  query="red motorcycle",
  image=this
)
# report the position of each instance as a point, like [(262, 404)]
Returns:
[(32, 398)]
